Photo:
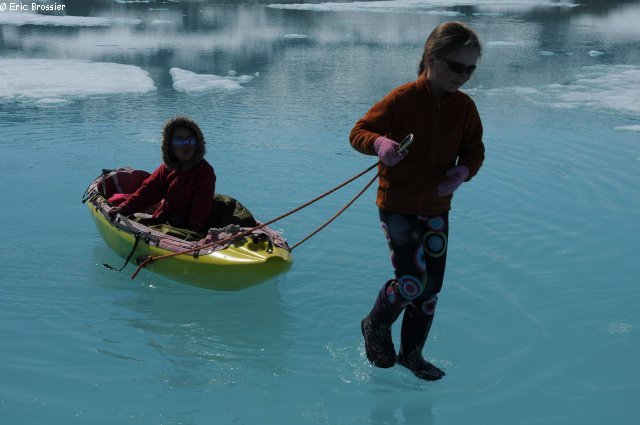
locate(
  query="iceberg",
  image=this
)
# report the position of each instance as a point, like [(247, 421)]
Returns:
[(52, 81), (194, 84)]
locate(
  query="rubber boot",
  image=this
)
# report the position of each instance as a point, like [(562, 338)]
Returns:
[(376, 330), (415, 329)]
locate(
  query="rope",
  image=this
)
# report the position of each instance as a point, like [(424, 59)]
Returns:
[(343, 209), (138, 234), (150, 259)]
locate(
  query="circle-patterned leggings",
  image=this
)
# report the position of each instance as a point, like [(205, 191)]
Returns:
[(418, 247)]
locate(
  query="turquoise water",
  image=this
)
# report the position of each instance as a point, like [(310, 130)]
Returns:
[(538, 319)]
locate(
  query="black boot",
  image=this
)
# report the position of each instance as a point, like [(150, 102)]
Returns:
[(378, 343), (376, 330), (415, 329), (419, 366)]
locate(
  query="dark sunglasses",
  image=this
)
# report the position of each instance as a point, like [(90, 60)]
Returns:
[(459, 68), (187, 141)]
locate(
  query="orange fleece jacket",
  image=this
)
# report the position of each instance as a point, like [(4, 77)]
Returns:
[(447, 132)]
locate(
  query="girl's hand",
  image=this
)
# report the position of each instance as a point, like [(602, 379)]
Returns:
[(113, 212), (387, 151), (457, 175)]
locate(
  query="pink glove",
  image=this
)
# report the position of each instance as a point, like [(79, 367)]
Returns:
[(386, 150), (456, 175)]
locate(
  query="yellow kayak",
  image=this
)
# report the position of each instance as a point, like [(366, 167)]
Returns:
[(255, 256)]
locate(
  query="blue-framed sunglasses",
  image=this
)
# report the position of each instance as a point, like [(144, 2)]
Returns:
[(459, 68), (187, 141)]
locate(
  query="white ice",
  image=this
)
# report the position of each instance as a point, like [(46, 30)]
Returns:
[(23, 18), (295, 36), (195, 84), (56, 81), (499, 43), (401, 5), (603, 87), (612, 87), (629, 128)]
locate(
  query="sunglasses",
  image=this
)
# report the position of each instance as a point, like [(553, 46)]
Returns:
[(187, 141), (458, 68)]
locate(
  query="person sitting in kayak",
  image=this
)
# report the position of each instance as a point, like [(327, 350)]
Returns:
[(180, 191)]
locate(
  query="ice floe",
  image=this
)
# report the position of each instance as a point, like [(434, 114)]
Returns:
[(404, 5), (195, 84), (49, 82), (23, 18), (613, 87), (296, 36), (502, 43), (619, 328), (604, 87), (629, 128)]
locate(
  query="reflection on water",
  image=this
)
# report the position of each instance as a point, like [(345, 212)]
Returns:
[(276, 87), (216, 38)]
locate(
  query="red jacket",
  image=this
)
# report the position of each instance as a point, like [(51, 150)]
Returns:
[(184, 197), (446, 132)]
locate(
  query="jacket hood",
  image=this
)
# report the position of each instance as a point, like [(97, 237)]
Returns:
[(167, 136)]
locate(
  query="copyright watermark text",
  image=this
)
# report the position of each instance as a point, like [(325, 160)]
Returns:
[(31, 7)]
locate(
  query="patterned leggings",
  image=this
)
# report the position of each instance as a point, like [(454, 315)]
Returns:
[(418, 246)]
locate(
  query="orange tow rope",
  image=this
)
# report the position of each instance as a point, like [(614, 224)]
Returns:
[(310, 235), (151, 259)]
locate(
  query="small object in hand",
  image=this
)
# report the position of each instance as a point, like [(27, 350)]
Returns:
[(387, 151), (406, 142)]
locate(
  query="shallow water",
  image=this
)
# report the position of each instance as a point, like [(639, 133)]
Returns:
[(538, 319)]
